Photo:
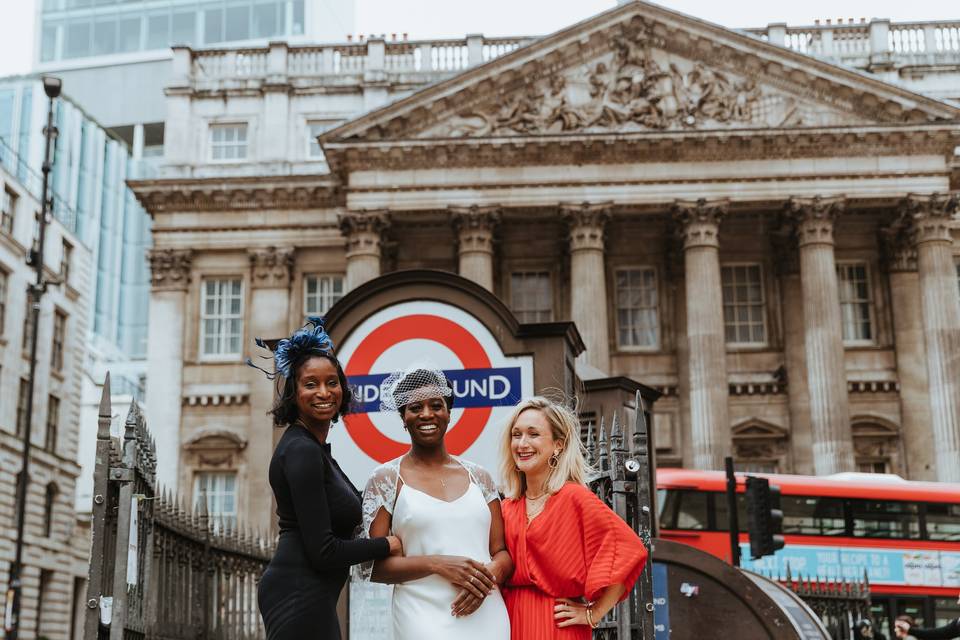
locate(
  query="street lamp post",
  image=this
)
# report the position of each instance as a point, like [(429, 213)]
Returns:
[(51, 86)]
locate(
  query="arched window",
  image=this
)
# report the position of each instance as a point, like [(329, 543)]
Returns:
[(759, 446), (48, 504), (876, 445)]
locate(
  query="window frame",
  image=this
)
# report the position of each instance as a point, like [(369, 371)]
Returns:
[(8, 209), (306, 295), (58, 341), (66, 258), (870, 302), (51, 491), (21, 427), (765, 324), (220, 356), (213, 127), (656, 309), (52, 432), (552, 302), (216, 517), (309, 123), (4, 290)]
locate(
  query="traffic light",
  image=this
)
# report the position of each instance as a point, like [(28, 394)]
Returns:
[(764, 517)]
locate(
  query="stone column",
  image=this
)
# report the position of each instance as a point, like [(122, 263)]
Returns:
[(475, 226), (929, 217), (699, 223), (900, 261), (364, 233), (588, 280), (270, 317), (170, 276), (823, 338)]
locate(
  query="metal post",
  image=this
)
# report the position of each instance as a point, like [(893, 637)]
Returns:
[(732, 516), (98, 523), (15, 591), (125, 474), (644, 465)]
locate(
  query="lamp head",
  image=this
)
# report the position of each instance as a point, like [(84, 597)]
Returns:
[(51, 86)]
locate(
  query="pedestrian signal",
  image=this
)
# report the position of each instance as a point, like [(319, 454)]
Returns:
[(764, 517)]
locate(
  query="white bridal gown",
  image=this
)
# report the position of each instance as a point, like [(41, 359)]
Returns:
[(430, 526)]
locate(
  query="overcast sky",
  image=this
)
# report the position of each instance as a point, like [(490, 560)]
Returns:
[(455, 18)]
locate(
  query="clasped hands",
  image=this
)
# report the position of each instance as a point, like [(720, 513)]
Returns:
[(474, 579)]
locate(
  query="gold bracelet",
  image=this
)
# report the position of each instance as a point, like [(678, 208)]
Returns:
[(590, 622)]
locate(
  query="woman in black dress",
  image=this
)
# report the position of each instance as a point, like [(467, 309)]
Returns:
[(318, 507)]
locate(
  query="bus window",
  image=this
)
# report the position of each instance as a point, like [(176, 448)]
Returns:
[(945, 610), (943, 521), (812, 516), (885, 519), (720, 509), (682, 509)]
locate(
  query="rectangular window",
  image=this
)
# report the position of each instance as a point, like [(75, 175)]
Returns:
[(48, 42), (22, 399), (183, 28), (531, 296), (221, 317), (220, 491), (238, 23), (43, 597), (943, 522), (59, 338), (213, 26), (267, 19), (813, 516), (104, 37), (855, 304), (4, 280), (314, 129), (27, 326), (298, 21), (744, 310), (8, 206), (158, 31), (53, 423), (77, 42), (885, 519), (320, 292), (128, 34), (637, 321), (66, 257), (228, 141)]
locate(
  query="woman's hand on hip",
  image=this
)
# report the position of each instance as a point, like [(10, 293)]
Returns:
[(465, 573), (396, 545), (569, 612)]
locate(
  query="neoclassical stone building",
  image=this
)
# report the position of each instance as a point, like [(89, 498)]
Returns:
[(765, 237)]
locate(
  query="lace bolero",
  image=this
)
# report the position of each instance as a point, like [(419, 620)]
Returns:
[(381, 491)]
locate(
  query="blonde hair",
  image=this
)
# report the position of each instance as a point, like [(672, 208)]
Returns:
[(571, 463)]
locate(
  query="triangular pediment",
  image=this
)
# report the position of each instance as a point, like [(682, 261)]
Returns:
[(641, 68)]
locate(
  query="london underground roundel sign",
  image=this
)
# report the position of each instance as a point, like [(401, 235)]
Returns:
[(486, 383)]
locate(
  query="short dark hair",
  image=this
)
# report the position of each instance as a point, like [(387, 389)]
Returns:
[(414, 380), (285, 410)]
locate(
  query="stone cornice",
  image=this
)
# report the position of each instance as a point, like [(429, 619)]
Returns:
[(928, 217), (175, 195), (170, 269), (672, 146)]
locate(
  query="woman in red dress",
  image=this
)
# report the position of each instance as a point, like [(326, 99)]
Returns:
[(574, 558)]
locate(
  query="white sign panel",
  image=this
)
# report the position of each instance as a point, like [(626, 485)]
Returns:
[(487, 384)]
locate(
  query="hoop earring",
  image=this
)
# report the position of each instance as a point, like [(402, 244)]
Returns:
[(554, 461)]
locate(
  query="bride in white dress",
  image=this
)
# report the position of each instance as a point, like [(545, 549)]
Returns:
[(446, 511)]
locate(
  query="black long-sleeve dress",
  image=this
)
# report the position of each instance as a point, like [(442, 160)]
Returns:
[(319, 510)]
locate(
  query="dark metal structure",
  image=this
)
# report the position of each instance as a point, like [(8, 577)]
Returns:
[(160, 568)]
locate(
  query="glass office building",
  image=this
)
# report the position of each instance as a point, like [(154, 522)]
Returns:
[(92, 199)]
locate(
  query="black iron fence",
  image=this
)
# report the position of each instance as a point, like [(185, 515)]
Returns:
[(159, 567)]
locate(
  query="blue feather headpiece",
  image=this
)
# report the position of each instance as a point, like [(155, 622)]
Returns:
[(311, 338)]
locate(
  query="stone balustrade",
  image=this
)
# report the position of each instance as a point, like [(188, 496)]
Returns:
[(864, 44), (211, 69)]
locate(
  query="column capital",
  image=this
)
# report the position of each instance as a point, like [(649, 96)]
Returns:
[(363, 231), (813, 218), (927, 217), (699, 221), (170, 269), (475, 227), (586, 223), (271, 266), (898, 251)]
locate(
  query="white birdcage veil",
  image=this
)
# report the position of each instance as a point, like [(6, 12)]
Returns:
[(417, 382)]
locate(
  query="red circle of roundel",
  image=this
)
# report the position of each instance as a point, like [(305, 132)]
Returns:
[(425, 327)]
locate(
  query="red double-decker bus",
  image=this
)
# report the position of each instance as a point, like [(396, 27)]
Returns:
[(905, 536)]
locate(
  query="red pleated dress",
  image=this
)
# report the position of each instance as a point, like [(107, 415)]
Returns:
[(575, 547)]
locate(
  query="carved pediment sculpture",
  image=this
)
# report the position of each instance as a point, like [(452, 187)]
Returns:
[(632, 87)]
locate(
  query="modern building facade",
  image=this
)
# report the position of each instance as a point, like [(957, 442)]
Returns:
[(765, 236), (57, 545)]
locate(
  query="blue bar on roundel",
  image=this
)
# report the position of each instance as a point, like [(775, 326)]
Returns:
[(661, 602), (495, 387)]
